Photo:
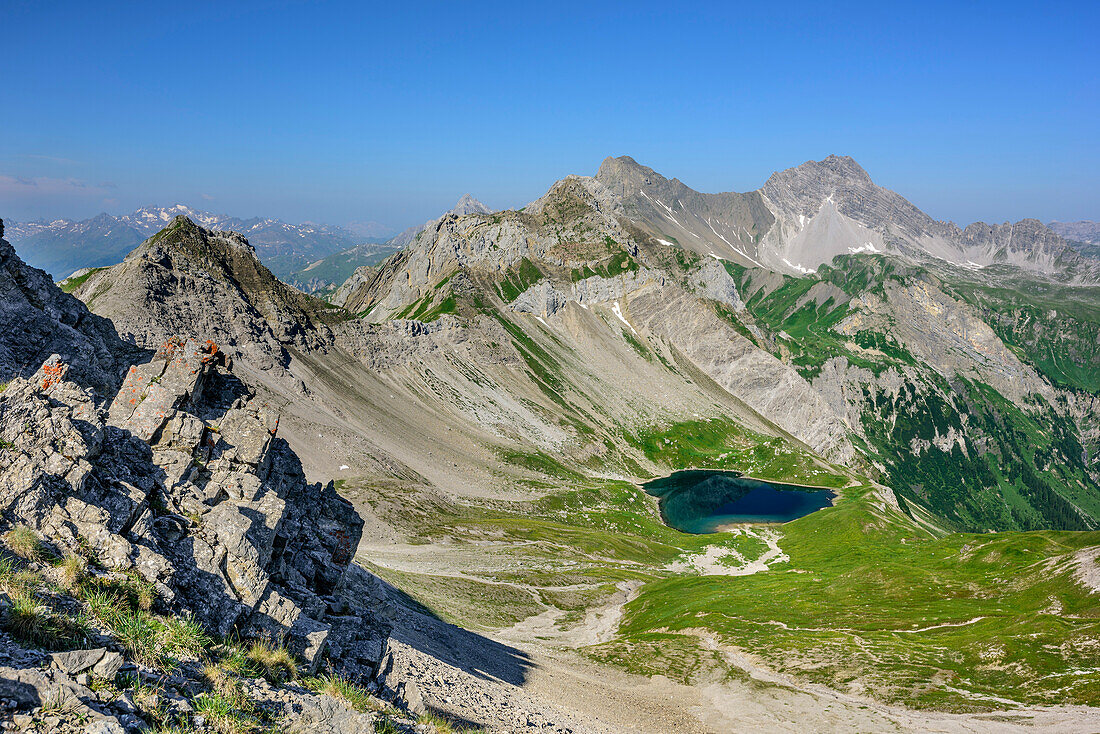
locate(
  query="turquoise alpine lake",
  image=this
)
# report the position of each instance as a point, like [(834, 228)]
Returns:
[(703, 501)]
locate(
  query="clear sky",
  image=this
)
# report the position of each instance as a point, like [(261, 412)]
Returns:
[(357, 111)]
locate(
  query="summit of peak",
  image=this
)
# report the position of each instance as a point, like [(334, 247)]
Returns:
[(623, 166), (467, 204), (837, 166)]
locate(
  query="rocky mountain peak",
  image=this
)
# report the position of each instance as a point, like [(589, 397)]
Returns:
[(818, 180), (197, 282), (842, 166), (222, 252), (469, 205), (624, 176)]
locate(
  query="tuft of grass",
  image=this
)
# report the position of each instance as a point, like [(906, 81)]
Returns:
[(16, 580), (32, 622), (151, 640), (385, 726), (227, 707), (235, 660), (221, 714), (131, 591), (184, 636), (224, 684), (275, 662), (8, 569), (141, 635), (336, 686), (24, 542), (27, 619), (141, 591), (72, 569), (438, 724)]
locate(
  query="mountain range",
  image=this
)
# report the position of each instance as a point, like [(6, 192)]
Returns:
[(62, 246), (805, 216), (492, 400), (1083, 235)]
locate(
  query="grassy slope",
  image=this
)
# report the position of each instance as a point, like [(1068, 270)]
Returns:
[(847, 609), (1030, 470)]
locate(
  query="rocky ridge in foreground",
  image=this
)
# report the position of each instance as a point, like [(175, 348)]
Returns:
[(180, 500)]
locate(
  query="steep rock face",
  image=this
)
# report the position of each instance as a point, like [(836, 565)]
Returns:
[(38, 320), (770, 387), (1027, 243), (195, 282), (185, 482), (944, 334), (546, 299), (358, 279), (727, 225), (713, 281)]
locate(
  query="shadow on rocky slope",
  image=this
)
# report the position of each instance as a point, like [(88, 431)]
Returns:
[(422, 630)]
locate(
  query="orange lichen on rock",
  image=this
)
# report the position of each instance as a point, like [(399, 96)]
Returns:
[(210, 352), (170, 348), (54, 373)]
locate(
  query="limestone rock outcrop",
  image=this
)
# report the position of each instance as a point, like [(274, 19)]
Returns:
[(544, 299), (185, 481)]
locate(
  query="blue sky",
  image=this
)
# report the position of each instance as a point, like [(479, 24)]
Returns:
[(345, 111)]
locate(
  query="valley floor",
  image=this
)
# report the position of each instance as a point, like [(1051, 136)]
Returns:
[(530, 677)]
